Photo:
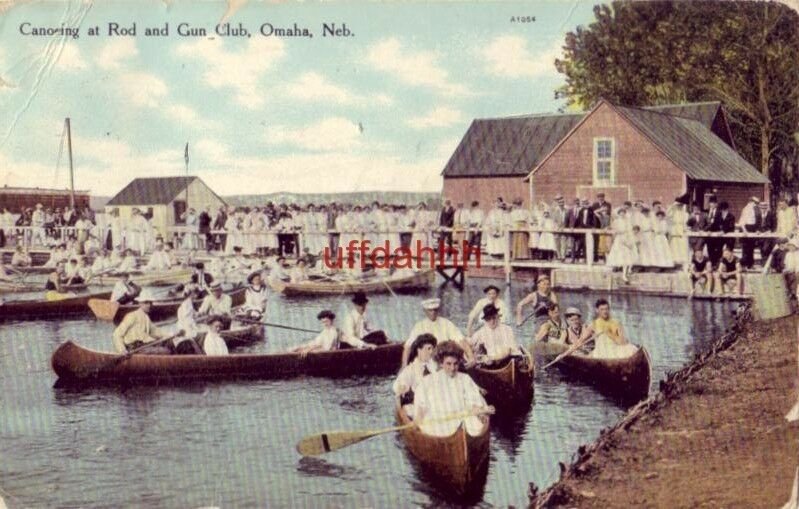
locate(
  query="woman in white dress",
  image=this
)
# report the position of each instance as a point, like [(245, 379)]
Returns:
[(677, 217), (232, 227), (494, 230), (419, 221), (662, 249), (646, 251), (623, 253)]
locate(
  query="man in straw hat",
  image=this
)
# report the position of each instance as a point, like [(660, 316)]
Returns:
[(136, 329), (449, 392), (356, 325), (438, 326), (494, 342), (217, 303), (491, 297)]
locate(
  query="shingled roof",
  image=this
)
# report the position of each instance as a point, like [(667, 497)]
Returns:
[(512, 146), (151, 191)]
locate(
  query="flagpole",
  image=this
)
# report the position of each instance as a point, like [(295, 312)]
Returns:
[(186, 158)]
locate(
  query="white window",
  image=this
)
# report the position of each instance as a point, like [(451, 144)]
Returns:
[(604, 161)]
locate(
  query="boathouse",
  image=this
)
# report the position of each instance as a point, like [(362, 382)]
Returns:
[(653, 153), (165, 199), (18, 198)]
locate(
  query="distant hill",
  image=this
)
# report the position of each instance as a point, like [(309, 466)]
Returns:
[(359, 198)]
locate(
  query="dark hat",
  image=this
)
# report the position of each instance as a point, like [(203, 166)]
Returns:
[(359, 298), (236, 249), (490, 311), (199, 265), (326, 313), (216, 286), (491, 287), (252, 276)]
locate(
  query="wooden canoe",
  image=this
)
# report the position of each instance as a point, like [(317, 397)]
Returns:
[(627, 379), (459, 460), (21, 287), (509, 385), (33, 309), (35, 269), (419, 281), (160, 310), (75, 363), (160, 278)]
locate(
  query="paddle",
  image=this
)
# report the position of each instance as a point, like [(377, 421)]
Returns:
[(322, 443), (243, 319), (573, 349), (104, 309), (382, 280), (116, 360)]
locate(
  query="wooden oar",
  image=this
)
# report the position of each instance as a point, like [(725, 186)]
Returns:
[(116, 360), (322, 443), (573, 349), (383, 280), (276, 325)]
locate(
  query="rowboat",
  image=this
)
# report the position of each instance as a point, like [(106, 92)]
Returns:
[(459, 460), (508, 385), (32, 309), (107, 310), (158, 278), (627, 378), (75, 363), (418, 281), (240, 336), (35, 269), (21, 287)]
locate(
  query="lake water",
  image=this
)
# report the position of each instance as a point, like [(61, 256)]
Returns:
[(231, 444)]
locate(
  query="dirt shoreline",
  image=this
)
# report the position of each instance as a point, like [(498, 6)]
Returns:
[(714, 436)]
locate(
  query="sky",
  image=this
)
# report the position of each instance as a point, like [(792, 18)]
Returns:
[(380, 109)]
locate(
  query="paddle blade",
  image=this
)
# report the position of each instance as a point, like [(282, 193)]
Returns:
[(322, 443), (104, 309)]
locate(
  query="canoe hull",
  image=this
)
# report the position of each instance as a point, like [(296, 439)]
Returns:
[(509, 386), (73, 362), (421, 281), (41, 309), (164, 310), (161, 278), (459, 460), (626, 379)]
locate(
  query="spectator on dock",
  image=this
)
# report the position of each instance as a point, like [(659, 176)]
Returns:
[(520, 240), (767, 224), (476, 218), (697, 222), (786, 219), (749, 222), (677, 218), (720, 220)]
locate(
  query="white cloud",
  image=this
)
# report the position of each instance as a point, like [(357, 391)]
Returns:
[(508, 56), (71, 58), (438, 117), (240, 71), (415, 68), (212, 150), (116, 52), (143, 89), (333, 133), (181, 112), (314, 87)]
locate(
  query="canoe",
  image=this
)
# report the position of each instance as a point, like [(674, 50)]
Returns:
[(33, 309), (241, 335), (459, 460), (509, 385), (161, 310), (627, 379), (21, 287), (75, 363), (419, 281), (160, 278), (36, 269)]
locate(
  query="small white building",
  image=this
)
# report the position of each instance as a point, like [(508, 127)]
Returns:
[(166, 199)]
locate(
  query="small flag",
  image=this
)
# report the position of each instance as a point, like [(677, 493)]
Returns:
[(186, 155)]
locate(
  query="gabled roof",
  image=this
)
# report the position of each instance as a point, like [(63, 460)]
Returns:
[(512, 146), (151, 191)]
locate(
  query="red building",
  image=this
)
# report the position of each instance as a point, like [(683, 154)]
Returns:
[(654, 153), (17, 198)]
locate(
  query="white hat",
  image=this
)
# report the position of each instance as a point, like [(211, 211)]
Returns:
[(39, 206), (754, 199), (431, 303), (146, 295)]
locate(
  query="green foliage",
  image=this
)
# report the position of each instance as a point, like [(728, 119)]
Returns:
[(745, 54)]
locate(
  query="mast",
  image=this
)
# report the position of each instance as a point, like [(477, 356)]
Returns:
[(186, 157), (71, 172)]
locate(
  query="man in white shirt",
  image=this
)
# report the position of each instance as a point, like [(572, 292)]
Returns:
[(128, 263), (356, 325), (491, 297), (749, 222), (217, 303), (441, 328), (278, 271), (124, 290), (476, 218), (330, 337), (159, 260), (494, 342)]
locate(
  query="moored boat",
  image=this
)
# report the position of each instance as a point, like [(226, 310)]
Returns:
[(418, 281), (33, 309), (460, 460), (626, 378), (76, 363), (161, 309), (158, 278), (509, 384)]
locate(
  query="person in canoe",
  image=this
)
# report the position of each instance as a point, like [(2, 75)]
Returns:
[(255, 297), (449, 392), (440, 328), (128, 262), (728, 273), (214, 344), (21, 258), (553, 330), (72, 273), (494, 342), (491, 297), (278, 271), (201, 278), (53, 287), (187, 322), (576, 330), (610, 342), (125, 291), (420, 365), (299, 272), (330, 337), (356, 325), (136, 329), (217, 303), (159, 260), (539, 300)]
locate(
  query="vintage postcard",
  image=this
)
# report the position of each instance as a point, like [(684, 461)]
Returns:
[(399, 254)]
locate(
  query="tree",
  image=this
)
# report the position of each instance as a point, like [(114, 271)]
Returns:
[(745, 54)]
